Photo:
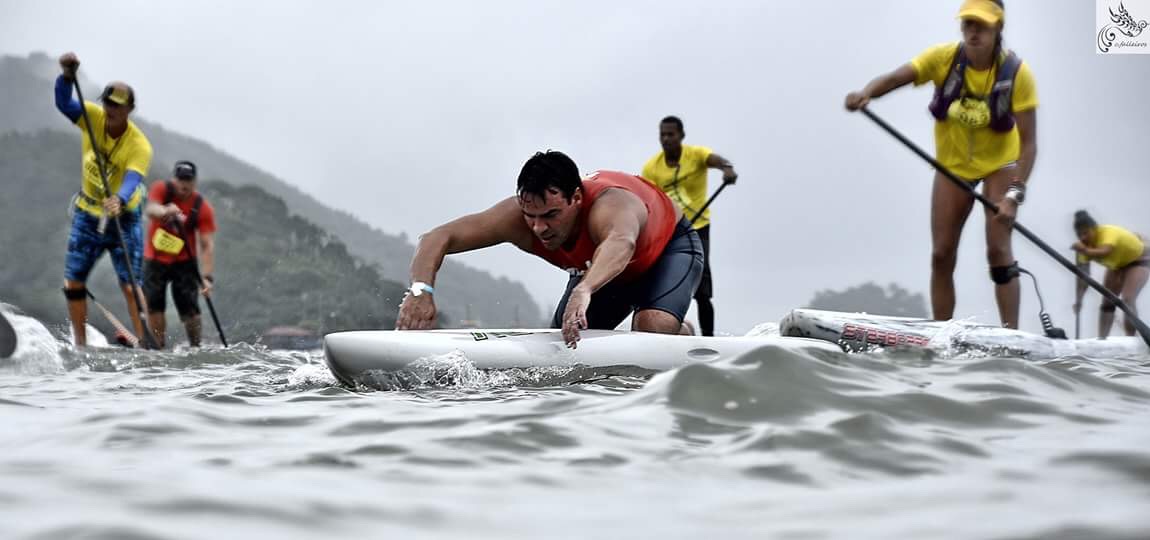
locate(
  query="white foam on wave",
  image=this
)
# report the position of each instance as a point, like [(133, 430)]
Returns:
[(311, 376), (37, 350), (455, 370)]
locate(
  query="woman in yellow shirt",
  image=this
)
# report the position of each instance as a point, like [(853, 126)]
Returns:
[(1127, 263), (984, 106)]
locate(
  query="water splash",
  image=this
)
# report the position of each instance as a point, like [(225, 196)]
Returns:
[(310, 376), (37, 349)]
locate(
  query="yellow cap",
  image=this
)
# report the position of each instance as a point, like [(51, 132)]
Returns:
[(987, 11), (119, 93)]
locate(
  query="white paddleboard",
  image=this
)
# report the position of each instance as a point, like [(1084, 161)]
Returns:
[(349, 354), (860, 331)]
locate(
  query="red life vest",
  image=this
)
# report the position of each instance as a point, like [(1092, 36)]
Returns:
[(653, 237), (185, 232)]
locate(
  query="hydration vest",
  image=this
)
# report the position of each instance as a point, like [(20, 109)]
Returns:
[(1000, 100)]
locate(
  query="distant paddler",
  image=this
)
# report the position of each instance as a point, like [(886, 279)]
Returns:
[(680, 170), (126, 154), (180, 251), (1127, 262)]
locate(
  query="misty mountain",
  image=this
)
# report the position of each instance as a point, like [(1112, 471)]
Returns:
[(273, 268), (463, 291), (871, 298)]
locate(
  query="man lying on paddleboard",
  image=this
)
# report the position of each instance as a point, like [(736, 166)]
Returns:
[(627, 247)]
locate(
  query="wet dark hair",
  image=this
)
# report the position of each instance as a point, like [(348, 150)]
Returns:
[(673, 120), (546, 170), (1082, 220)]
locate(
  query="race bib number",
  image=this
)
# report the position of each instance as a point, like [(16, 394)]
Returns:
[(970, 112), (166, 242)]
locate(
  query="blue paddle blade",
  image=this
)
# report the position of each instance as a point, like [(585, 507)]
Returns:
[(7, 337)]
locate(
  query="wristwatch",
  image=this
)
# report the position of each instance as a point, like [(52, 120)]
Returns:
[(1016, 192), (419, 287)]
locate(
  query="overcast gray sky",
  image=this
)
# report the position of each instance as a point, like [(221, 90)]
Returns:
[(408, 114)]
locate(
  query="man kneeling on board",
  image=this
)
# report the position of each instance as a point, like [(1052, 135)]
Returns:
[(181, 218), (625, 244)]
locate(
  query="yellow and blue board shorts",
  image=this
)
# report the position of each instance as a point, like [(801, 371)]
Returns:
[(86, 245)]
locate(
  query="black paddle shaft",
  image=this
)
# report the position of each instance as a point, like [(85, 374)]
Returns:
[(1143, 330), (708, 203), (149, 339)]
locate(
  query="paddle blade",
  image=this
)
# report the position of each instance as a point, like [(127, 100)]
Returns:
[(123, 336), (7, 337)]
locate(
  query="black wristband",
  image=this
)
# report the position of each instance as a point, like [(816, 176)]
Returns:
[(208, 278)]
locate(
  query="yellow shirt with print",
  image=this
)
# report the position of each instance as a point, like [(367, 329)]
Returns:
[(1128, 247), (685, 184), (130, 152), (973, 153)]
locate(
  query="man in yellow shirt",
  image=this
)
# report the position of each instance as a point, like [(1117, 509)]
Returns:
[(1123, 254), (985, 115), (680, 170), (126, 154)]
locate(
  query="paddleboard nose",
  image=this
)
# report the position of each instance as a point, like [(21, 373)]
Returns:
[(335, 347)]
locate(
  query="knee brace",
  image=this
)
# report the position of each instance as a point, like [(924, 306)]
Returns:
[(76, 294), (1002, 275), (1108, 306)]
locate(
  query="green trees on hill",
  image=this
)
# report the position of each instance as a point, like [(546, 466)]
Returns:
[(871, 298), (273, 268), (26, 84)]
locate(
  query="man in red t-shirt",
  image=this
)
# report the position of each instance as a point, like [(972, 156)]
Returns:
[(180, 221)]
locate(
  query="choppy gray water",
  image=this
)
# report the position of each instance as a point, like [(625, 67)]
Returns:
[(781, 443)]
